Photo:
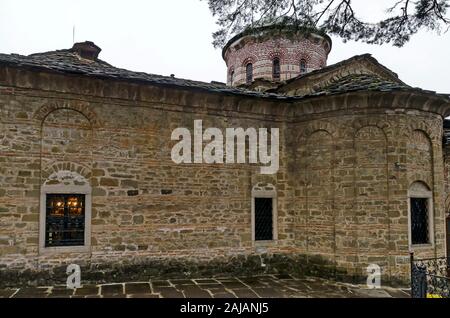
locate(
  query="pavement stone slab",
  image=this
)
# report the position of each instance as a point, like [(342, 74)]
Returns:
[(182, 281), (372, 293), (137, 288), (142, 296), (253, 283), (61, 292), (223, 295), (33, 292), (245, 293), (161, 283), (234, 285), (193, 293), (217, 290), (266, 286), (268, 293), (116, 289), (169, 292), (87, 290), (205, 281), (212, 286)]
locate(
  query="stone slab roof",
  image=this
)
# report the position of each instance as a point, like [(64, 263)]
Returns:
[(68, 61), (363, 57), (359, 82), (358, 73)]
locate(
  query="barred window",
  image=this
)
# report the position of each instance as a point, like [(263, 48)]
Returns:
[(249, 73), (448, 236), (276, 69), (64, 220), (263, 219), (419, 221), (420, 214)]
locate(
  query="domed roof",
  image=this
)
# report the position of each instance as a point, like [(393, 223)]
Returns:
[(274, 29)]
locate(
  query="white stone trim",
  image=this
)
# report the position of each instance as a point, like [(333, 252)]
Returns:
[(66, 189), (265, 191), (420, 190)]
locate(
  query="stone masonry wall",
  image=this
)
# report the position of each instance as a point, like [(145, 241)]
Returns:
[(351, 186), (446, 154), (341, 187)]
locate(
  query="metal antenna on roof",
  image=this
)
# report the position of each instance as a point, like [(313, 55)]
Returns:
[(73, 34)]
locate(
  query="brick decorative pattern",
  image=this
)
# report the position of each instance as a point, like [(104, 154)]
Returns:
[(261, 52)]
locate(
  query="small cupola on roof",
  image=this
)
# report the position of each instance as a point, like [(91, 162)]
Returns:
[(87, 50), (274, 53)]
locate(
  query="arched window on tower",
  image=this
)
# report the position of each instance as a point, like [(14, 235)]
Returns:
[(231, 78), (249, 73), (302, 66), (276, 69)]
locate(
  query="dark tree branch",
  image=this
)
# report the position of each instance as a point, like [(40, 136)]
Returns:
[(404, 18), (323, 11)]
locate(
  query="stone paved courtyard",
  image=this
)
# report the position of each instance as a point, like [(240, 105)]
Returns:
[(269, 286)]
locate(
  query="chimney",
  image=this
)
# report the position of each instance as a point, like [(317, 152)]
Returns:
[(87, 50)]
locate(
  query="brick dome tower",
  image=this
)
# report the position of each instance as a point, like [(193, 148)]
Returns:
[(273, 54)]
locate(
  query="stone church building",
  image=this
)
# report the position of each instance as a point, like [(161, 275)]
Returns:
[(86, 175)]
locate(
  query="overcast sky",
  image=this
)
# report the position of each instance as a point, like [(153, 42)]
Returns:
[(174, 37)]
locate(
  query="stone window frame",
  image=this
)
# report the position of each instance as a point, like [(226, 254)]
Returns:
[(420, 190), (264, 192), (86, 190)]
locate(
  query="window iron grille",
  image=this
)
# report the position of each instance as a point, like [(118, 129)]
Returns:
[(65, 220), (263, 219), (419, 221)]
